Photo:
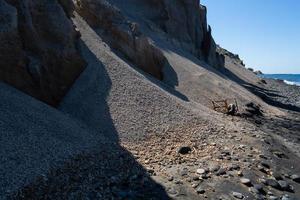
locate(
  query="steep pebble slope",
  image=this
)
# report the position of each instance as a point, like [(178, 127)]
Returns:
[(134, 104)]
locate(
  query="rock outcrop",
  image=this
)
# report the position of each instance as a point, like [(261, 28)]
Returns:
[(122, 35), (183, 22), (232, 56), (186, 22), (38, 53)]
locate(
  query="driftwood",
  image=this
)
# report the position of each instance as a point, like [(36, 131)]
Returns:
[(223, 105)]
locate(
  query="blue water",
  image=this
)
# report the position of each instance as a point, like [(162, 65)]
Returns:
[(291, 79)]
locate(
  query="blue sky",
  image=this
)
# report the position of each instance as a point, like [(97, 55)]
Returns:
[(265, 33)]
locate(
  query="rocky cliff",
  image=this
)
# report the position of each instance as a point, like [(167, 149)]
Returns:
[(183, 22), (38, 41), (38, 48)]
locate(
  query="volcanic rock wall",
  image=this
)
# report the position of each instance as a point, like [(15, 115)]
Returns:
[(38, 53), (118, 23)]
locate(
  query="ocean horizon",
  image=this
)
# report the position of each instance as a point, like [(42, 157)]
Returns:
[(291, 79)]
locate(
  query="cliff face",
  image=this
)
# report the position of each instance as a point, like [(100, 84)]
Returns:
[(183, 22), (38, 48)]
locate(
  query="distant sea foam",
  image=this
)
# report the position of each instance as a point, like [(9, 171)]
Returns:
[(291, 79)]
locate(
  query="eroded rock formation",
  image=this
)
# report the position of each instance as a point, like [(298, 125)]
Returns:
[(123, 35), (38, 51), (38, 41), (183, 22)]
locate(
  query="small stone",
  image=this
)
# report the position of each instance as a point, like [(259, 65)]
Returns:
[(291, 188), (214, 168), (263, 181), (246, 181), (171, 178), (261, 168), (277, 176), (184, 150), (296, 178), (233, 167), (265, 164), (238, 195), (273, 198), (240, 173), (285, 197), (172, 191), (273, 183), (258, 187), (200, 190), (283, 184), (204, 176), (184, 172), (201, 171), (254, 190), (220, 172), (279, 154)]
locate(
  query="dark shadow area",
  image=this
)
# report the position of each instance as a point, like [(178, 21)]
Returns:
[(109, 172)]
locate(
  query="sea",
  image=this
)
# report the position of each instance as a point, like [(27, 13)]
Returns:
[(291, 79)]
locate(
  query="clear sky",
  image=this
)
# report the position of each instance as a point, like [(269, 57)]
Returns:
[(265, 33)]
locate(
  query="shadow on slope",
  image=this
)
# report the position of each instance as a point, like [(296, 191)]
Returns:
[(108, 171), (225, 73), (263, 93)]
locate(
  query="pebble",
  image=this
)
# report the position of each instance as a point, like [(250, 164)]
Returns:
[(184, 150), (195, 178), (261, 168), (238, 195), (171, 178), (258, 187), (172, 191), (273, 183), (201, 171), (277, 176), (220, 172), (240, 173), (285, 197), (184, 172), (263, 181), (273, 198), (233, 167), (296, 178), (283, 184), (200, 190), (265, 164), (246, 181), (214, 168)]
